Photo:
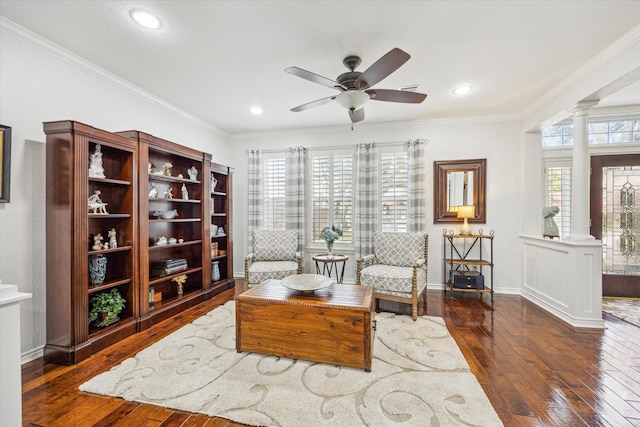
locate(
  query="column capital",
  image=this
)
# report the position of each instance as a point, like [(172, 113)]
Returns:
[(583, 107)]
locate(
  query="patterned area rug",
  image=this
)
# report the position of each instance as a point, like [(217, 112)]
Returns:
[(419, 377), (626, 309)]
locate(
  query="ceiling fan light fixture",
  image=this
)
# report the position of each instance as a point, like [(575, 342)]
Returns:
[(352, 99)]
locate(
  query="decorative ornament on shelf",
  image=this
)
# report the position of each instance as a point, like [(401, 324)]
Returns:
[(97, 269), (95, 164), (167, 168), (193, 173), (97, 242), (330, 235), (214, 182), (154, 190), (113, 238), (185, 192), (180, 282), (96, 204)]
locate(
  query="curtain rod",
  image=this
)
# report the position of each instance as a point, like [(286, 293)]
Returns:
[(278, 150)]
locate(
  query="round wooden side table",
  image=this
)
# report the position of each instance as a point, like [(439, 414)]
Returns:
[(330, 264)]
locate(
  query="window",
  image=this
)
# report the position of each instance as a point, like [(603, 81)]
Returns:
[(558, 192), (394, 166), (331, 182), (274, 191), (559, 135), (600, 132)]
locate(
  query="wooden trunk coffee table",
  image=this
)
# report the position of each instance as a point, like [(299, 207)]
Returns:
[(331, 325)]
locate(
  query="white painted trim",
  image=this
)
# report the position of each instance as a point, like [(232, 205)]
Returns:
[(620, 45)]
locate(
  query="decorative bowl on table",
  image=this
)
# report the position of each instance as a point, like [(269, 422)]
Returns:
[(306, 283)]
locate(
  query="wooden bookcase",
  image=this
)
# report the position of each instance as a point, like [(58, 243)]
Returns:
[(133, 163), (220, 207), (70, 232)]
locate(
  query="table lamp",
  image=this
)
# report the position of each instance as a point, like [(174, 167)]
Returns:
[(466, 211)]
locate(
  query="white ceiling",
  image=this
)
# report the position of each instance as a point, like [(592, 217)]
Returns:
[(216, 59)]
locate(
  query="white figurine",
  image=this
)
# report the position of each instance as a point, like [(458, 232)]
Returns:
[(113, 240), (149, 167), (185, 193), (193, 173), (97, 242), (168, 194), (154, 190), (105, 245), (96, 204), (95, 164), (162, 241)]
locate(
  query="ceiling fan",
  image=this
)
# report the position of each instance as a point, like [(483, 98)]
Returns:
[(356, 87)]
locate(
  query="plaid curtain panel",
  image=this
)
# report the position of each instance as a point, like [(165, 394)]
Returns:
[(416, 206), (255, 202), (294, 192), (366, 204)]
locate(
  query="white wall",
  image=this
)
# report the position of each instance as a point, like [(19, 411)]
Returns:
[(499, 142), (38, 83)]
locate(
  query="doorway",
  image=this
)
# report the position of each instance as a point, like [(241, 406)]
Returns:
[(615, 220)]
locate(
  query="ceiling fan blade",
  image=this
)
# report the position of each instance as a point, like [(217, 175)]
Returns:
[(384, 66), (312, 104), (357, 115), (391, 95), (315, 78)]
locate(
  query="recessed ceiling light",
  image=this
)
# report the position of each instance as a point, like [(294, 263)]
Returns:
[(146, 19), (256, 110), (462, 90)]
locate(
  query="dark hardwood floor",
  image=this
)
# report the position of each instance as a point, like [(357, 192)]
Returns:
[(536, 370)]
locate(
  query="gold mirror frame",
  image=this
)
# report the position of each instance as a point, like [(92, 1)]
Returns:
[(441, 169)]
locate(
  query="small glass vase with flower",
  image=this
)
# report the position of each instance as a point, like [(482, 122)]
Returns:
[(330, 235)]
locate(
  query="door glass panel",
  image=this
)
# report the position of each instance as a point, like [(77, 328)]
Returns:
[(621, 220)]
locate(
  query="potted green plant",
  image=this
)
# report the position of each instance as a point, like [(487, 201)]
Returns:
[(105, 308)]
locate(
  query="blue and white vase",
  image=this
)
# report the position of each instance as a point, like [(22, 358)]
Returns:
[(97, 269), (215, 271)]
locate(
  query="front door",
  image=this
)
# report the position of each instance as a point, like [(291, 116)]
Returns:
[(615, 219)]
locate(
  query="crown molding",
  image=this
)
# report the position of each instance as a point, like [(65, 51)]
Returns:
[(625, 42), (32, 39)]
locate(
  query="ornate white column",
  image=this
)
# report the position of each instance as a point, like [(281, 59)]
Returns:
[(580, 176)]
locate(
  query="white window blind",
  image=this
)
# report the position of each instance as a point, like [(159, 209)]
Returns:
[(274, 191), (331, 182), (393, 189), (558, 192)]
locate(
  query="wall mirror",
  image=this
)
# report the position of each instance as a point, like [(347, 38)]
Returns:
[(459, 182)]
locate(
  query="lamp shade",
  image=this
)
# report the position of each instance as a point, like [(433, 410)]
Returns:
[(352, 99), (466, 211)]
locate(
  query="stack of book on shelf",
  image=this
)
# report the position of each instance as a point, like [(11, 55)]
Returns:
[(168, 266)]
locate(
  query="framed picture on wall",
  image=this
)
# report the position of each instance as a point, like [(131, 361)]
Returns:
[(5, 163)]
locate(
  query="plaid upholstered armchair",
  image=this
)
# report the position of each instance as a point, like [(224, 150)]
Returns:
[(275, 256), (398, 269)]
